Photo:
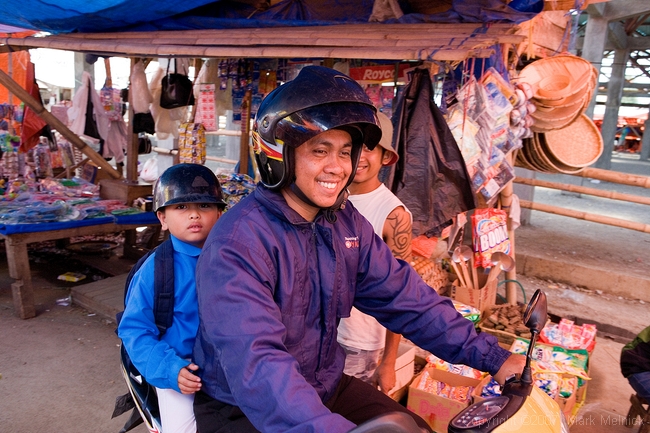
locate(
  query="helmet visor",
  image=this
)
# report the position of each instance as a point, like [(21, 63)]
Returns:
[(301, 126)]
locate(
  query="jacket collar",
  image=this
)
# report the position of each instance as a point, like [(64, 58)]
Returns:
[(275, 203)]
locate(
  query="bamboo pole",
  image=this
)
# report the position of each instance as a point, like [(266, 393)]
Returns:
[(208, 157), (506, 202), (148, 49), (245, 131), (55, 123), (132, 149), (615, 177), (458, 29), (584, 190), (328, 41), (616, 222)]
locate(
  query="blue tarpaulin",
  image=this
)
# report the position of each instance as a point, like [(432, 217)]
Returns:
[(68, 16)]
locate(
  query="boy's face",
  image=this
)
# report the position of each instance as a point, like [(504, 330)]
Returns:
[(367, 175), (189, 222), (323, 166)]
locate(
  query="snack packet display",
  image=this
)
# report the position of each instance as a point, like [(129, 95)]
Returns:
[(467, 311), (489, 235), (459, 369), (569, 336), (442, 389), (554, 359), (491, 389), (548, 382)]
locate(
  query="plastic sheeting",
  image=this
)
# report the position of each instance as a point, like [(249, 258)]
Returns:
[(430, 177), (145, 15)]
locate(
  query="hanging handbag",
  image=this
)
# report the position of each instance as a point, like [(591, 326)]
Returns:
[(144, 145), (144, 122), (176, 90), (90, 128)]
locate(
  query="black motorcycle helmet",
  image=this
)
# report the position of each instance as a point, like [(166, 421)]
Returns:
[(317, 100), (187, 183)]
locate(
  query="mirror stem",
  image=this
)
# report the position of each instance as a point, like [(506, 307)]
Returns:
[(526, 374)]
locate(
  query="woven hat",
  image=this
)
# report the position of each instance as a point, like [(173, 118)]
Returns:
[(562, 86), (386, 141)]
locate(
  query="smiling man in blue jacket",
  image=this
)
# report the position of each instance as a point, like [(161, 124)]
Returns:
[(282, 267)]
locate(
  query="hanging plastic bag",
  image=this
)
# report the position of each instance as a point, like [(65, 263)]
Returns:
[(140, 94), (149, 172)]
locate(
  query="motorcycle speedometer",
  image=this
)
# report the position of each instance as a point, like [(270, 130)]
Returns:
[(480, 413)]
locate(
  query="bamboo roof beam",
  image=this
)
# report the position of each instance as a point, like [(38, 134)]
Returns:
[(145, 49)]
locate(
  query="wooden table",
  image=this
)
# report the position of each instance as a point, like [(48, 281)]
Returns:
[(18, 260)]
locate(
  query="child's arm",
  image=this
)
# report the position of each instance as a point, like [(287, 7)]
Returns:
[(188, 381), (154, 358)]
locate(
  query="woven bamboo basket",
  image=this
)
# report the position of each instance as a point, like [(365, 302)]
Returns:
[(577, 145), (559, 166), (559, 80)]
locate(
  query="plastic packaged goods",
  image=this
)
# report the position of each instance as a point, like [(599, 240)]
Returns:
[(569, 335), (459, 393), (490, 234), (460, 369)]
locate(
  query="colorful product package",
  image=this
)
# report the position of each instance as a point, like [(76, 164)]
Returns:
[(489, 235)]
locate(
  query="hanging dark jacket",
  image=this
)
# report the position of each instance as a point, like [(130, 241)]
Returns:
[(430, 177)]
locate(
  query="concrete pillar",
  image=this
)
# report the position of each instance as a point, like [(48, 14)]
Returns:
[(80, 65), (593, 48), (645, 140), (614, 94)]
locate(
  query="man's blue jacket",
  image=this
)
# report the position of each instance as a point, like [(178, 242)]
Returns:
[(272, 288)]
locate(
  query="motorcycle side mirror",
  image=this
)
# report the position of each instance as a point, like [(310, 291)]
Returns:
[(535, 320), (536, 312)]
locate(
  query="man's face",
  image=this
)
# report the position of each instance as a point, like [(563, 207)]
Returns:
[(323, 166)]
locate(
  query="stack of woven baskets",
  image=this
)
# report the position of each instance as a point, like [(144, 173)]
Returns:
[(564, 140)]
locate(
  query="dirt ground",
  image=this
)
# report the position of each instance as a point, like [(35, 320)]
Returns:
[(59, 372)]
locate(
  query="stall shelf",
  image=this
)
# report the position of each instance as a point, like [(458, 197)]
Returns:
[(18, 236)]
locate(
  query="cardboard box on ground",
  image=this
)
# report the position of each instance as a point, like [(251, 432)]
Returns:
[(404, 370), (436, 410)]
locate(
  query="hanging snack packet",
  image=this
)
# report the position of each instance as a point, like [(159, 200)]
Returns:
[(489, 235)]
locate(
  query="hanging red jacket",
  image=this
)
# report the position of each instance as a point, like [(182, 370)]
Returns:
[(32, 123)]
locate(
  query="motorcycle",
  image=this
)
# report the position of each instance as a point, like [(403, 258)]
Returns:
[(142, 398), (522, 406)]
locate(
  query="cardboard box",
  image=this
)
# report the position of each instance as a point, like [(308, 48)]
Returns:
[(404, 370), (479, 298), (437, 411)]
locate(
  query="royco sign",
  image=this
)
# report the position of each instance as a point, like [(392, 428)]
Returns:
[(378, 74)]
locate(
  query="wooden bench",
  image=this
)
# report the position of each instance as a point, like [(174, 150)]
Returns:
[(639, 409)]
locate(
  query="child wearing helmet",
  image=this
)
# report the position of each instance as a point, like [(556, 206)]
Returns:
[(279, 271), (370, 349), (188, 201)]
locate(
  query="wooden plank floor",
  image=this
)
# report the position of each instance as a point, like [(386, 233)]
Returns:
[(104, 297)]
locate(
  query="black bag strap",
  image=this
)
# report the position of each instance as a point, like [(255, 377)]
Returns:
[(163, 309), (163, 305)]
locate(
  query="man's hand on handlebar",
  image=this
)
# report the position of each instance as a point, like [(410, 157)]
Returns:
[(513, 365)]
